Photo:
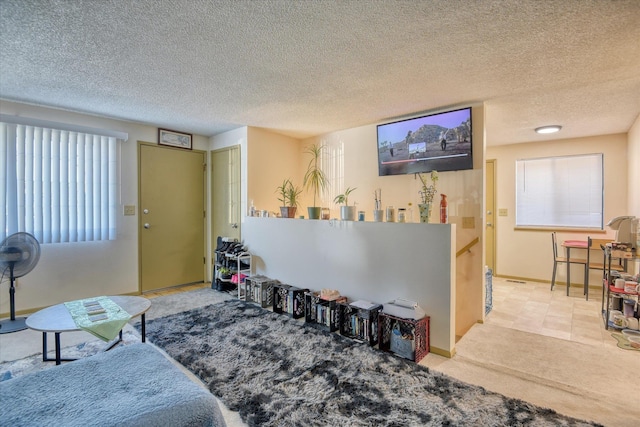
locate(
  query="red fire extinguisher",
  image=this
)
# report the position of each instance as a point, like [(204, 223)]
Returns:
[(444, 209)]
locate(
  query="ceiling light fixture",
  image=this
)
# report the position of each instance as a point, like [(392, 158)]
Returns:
[(548, 129)]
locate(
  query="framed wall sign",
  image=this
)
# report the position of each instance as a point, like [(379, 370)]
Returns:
[(175, 139)]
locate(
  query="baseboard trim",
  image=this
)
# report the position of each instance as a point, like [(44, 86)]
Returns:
[(529, 279), (29, 311), (441, 352)]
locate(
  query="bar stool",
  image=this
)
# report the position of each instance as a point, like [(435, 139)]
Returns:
[(560, 259)]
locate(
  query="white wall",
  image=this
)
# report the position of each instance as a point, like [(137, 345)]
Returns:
[(527, 254), (633, 148), (377, 262), (465, 191), (270, 158), (77, 270)]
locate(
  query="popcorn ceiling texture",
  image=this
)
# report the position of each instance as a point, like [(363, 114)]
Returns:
[(305, 68)]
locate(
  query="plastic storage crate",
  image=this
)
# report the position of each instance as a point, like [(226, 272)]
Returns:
[(288, 300), (324, 313), (407, 338), (359, 323), (259, 289)]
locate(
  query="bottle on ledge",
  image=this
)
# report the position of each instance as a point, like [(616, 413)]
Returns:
[(444, 209)]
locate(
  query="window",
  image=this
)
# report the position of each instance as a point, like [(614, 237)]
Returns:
[(332, 163), (560, 192), (59, 185)]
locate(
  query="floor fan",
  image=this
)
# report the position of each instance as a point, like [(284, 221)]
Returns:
[(19, 254)]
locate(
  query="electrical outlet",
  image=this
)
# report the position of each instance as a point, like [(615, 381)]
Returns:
[(129, 210), (503, 212), (468, 222)]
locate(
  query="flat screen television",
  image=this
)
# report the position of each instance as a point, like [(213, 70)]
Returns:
[(441, 142)]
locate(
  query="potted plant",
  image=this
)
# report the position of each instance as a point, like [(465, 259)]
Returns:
[(347, 213), (289, 194), (293, 192), (426, 195), (315, 178)]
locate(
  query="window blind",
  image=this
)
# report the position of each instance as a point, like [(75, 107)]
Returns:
[(565, 191), (59, 185)]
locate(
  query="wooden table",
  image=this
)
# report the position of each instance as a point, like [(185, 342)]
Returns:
[(57, 319)]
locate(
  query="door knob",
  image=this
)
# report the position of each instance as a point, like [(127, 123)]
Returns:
[(489, 224), (234, 225), (147, 225), (145, 211)]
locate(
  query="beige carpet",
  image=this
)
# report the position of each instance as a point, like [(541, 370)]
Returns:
[(601, 384)]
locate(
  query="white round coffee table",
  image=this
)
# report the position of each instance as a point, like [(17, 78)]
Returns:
[(57, 319)]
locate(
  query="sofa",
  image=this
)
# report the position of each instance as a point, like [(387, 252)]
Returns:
[(131, 385)]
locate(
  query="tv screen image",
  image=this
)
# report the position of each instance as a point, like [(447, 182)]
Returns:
[(441, 142)]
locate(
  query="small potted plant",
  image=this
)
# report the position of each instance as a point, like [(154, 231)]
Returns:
[(347, 213), (315, 178), (427, 192), (289, 194)]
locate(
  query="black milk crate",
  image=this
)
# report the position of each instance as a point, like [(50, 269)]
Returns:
[(407, 338), (280, 293), (289, 300), (360, 323), (259, 289), (324, 313)]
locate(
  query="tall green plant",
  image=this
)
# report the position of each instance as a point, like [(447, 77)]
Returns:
[(315, 178), (289, 193), (293, 192), (282, 191)]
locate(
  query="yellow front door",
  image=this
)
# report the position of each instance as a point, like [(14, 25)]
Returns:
[(171, 216)]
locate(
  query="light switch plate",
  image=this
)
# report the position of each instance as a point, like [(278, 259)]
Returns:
[(129, 209), (468, 222), (503, 212)]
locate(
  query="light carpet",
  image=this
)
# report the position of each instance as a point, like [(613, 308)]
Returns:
[(587, 381), (276, 371)]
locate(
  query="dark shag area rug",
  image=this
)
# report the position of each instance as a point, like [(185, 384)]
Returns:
[(277, 371)]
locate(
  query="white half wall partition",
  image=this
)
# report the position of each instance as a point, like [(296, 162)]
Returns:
[(378, 262)]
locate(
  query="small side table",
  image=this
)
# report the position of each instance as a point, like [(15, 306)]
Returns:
[(56, 319)]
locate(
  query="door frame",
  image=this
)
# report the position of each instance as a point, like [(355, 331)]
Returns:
[(204, 204), (213, 232), (494, 228)]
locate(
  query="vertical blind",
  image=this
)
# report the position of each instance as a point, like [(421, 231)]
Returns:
[(565, 191), (332, 164), (59, 185)]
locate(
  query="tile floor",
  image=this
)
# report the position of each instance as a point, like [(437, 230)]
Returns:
[(532, 307)]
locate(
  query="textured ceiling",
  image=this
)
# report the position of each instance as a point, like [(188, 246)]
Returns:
[(304, 68)]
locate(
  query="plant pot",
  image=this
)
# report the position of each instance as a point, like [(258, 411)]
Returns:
[(314, 212), (348, 213), (425, 211), (288, 211)]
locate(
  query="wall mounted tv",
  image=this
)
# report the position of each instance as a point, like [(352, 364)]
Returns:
[(441, 142)]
